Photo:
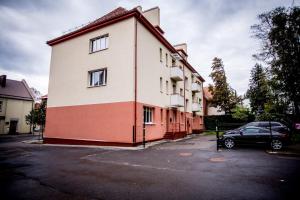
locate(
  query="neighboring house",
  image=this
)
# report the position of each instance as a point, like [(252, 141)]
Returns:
[(16, 101), (109, 78), (208, 108)]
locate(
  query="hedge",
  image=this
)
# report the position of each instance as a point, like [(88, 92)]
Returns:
[(226, 122)]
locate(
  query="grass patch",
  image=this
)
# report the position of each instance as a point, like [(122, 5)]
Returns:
[(212, 133)]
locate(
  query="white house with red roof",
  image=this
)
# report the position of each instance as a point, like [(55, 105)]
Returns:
[(117, 78)]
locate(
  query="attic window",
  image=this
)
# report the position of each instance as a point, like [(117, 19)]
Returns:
[(99, 43)]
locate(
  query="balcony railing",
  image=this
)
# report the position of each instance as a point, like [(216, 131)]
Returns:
[(196, 87), (176, 73), (177, 100), (196, 107)]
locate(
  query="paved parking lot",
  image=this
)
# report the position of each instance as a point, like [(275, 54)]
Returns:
[(186, 169)]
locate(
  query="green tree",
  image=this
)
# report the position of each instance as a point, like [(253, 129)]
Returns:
[(279, 32), (259, 89), (241, 113), (223, 95), (37, 116)]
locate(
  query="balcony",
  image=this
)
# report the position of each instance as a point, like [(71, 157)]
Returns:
[(177, 100), (196, 107), (196, 87), (176, 73)]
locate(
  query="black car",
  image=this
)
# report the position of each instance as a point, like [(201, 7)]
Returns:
[(275, 126), (253, 135)]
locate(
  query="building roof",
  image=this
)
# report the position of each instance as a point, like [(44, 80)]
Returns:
[(16, 90), (115, 16), (207, 94)]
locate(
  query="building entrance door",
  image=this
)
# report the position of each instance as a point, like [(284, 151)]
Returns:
[(13, 126)]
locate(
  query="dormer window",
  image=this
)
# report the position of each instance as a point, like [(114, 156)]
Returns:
[(99, 43)]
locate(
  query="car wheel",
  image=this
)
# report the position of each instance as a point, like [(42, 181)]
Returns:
[(276, 144), (229, 143)]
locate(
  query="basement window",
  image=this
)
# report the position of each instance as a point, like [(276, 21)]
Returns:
[(97, 77), (99, 43)]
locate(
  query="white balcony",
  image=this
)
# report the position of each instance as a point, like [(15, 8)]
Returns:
[(196, 107), (196, 87), (177, 100), (176, 73)]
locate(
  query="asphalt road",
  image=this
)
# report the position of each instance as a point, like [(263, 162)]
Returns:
[(189, 169)]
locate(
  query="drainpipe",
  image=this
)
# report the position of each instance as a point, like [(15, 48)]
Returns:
[(184, 102), (135, 79)]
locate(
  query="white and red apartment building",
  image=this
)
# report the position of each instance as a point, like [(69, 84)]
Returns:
[(117, 74)]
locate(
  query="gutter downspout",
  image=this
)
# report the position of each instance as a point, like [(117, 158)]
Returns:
[(135, 79), (184, 102)]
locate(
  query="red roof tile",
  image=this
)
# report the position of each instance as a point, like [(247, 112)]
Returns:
[(115, 13), (15, 90)]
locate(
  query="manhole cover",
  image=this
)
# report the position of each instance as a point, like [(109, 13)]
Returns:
[(217, 159), (185, 154)]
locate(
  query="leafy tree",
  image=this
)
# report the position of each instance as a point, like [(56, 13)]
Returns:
[(241, 113), (37, 116), (279, 32), (223, 95), (259, 89)]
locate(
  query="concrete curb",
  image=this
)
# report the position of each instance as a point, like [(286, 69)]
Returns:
[(140, 147)]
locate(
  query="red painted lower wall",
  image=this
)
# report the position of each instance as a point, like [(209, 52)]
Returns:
[(112, 123)]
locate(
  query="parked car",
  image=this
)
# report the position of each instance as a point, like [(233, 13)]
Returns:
[(253, 135), (275, 126)]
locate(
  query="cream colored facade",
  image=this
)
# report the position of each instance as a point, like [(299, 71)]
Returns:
[(14, 110), (151, 69), (71, 62), (214, 111)]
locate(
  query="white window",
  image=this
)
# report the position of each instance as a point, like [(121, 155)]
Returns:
[(161, 84), (167, 87), (166, 60), (173, 62), (97, 77), (160, 54), (148, 115), (99, 43)]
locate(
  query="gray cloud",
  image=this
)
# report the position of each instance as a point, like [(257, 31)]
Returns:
[(210, 27)]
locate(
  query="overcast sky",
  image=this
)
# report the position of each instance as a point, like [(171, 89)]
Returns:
[(209, 27)]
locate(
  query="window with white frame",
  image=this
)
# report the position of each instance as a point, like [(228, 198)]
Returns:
[(161, 84), (99, 43), (167, 87), (148, 115), (97, 77), (1, 105), (160, 54), (167, 60)]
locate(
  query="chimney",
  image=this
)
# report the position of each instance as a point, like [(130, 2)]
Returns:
[(3, 80)]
